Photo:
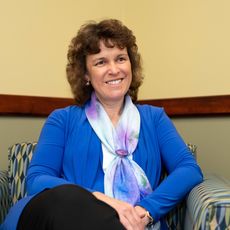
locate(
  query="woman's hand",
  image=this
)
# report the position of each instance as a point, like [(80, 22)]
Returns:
[(132, 218), (142, 213)]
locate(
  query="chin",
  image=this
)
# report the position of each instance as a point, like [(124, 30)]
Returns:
[(116, 97)]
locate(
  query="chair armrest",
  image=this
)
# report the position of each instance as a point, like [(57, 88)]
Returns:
[(4, 195), (208, 203)]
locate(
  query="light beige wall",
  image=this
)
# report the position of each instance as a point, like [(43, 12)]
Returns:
[(184, 44)]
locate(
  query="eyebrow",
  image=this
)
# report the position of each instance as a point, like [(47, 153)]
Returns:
[(97, 59), (102, 57)]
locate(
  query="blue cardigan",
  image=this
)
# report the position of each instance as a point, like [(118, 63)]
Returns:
[(69, 151)]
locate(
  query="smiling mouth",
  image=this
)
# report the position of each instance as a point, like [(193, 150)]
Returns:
[(114, 82)]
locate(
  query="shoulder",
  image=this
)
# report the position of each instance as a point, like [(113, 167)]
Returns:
[(150, 108), (72, 109), (153, 115), (64, 114), (150, 112)]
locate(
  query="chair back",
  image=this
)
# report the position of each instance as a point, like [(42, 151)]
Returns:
[(19, 156)]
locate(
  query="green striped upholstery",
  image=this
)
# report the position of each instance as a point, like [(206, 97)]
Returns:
[(19, 158), (175, 219), (4, 195), (12, 183), (208, 205)]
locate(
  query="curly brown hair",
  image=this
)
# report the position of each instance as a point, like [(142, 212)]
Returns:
[(87, 41)]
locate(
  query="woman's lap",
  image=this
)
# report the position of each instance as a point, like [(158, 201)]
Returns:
[(68, 207)]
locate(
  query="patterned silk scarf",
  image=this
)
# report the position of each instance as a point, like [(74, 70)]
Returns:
[(124, 179)]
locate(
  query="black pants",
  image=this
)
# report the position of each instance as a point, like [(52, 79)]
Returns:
[(68, 207)]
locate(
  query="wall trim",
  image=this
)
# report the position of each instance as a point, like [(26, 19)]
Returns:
[(17, 105)]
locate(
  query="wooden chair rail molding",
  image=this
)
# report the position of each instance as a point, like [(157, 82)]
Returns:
[(16, 105)]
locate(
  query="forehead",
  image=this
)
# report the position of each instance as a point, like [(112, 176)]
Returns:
[(106, 50), (110, 48)]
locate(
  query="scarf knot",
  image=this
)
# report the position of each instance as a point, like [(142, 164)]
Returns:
[(121, 153)]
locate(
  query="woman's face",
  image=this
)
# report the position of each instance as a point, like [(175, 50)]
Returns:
[(110, 74)]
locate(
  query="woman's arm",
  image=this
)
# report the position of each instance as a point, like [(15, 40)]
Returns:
[(46, 165), (183, 171)]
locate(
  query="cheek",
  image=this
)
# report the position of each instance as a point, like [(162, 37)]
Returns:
[(129, 69), (93, 75), (95, 80)]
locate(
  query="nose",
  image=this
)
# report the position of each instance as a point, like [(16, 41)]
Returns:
[(113, 68)]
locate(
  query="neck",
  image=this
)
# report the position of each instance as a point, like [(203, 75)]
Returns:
[(113, 110)]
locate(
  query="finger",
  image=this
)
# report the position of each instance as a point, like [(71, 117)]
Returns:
[(141, 211), (145, 220), (136, 216), (134, 219), (125, 222)]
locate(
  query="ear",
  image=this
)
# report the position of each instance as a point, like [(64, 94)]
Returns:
[(87, 77)]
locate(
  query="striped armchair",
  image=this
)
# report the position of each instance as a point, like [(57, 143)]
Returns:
[(206, 207)]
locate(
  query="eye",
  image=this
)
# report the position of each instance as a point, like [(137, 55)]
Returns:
[(100, 62), (121, 59)]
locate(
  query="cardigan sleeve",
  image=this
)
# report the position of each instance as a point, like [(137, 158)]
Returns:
[(183, 171), (46, 165)]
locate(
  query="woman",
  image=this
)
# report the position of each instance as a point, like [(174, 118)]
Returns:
[(99, 164)]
